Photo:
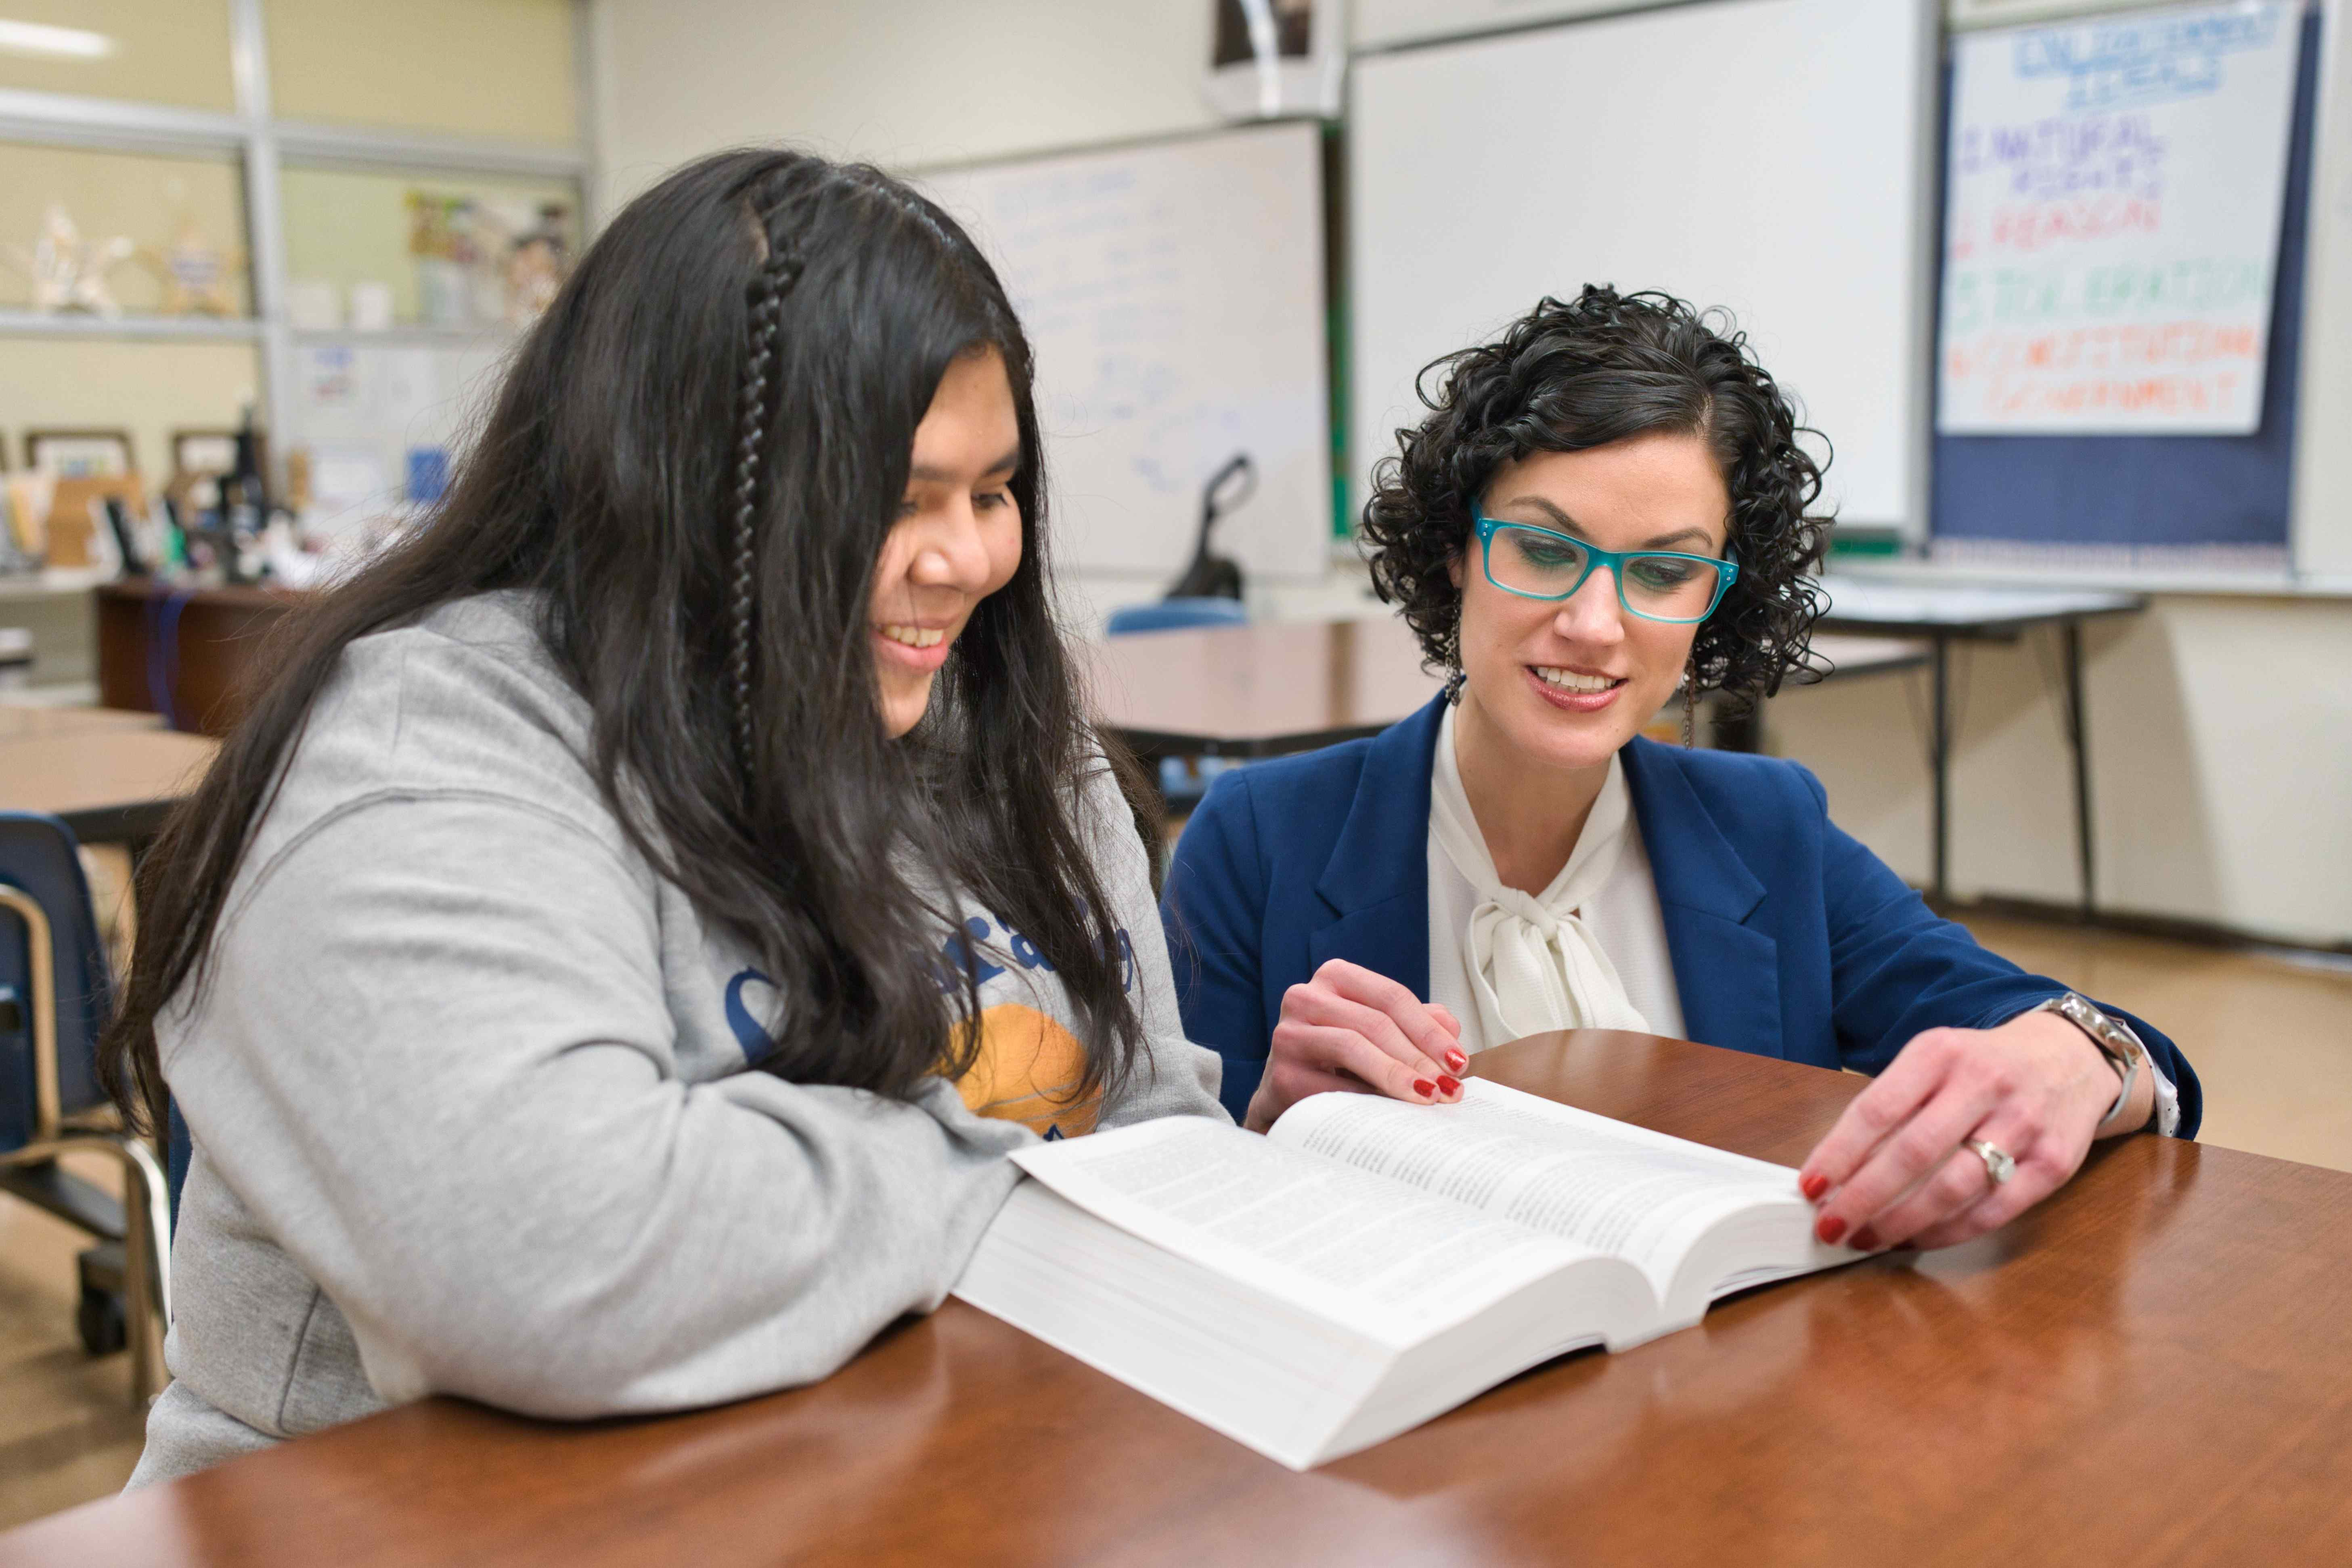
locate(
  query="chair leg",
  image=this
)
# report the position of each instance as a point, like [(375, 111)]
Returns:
[(146, 1263), (146, 1242), (146, 1257)]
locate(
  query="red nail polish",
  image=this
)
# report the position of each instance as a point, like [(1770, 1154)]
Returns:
[(1423, 1087), (1448, 1084), (1456, 1060), (1830, 1228), (1865, 1240), (1814, 1187)]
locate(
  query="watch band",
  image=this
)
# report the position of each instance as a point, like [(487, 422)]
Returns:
[(2115, 1042)]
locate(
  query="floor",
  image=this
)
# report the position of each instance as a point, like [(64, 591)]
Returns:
[(2271, 1039), (68, 1431)]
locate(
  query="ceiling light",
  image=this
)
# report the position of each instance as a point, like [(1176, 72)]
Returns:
[(53, 43)]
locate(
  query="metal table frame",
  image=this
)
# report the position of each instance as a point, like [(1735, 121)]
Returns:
[(2067, 613)]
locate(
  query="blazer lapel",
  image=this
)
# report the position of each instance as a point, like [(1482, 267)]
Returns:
[(1727, 973), (1377, 880)]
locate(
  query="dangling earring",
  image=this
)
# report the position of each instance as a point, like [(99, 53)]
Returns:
[(1453, 684), (1690, 704)]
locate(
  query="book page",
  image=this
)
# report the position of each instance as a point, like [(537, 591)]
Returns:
[(1386, 1259), (1611, 1186)]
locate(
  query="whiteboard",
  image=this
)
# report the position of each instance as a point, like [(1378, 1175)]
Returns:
[(1770, 156), (1385, 24), (1173, 295), (2113, 199)]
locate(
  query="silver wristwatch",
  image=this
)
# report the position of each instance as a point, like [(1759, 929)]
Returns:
[(2115, 1042)]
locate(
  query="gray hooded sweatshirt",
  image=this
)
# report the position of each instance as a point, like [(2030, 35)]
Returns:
[(469, 1095)]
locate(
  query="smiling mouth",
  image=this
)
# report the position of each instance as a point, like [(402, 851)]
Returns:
[(915, 637), (1571, 680)]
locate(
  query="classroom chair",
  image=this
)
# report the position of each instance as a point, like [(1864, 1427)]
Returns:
[(56, 993)]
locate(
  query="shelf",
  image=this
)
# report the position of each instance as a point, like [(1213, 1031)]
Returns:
[(480, 334), (1914, 573), (22, 324), (214, 329)]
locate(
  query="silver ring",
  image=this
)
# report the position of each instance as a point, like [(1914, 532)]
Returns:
[(1997, 1160)]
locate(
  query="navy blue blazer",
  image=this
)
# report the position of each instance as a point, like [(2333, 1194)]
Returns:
[(1789, 938)]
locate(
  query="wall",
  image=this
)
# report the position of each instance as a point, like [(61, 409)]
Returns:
[(2323, 478), (2222, 727), (2220, 764), (150, 389), (909, 82), (492, 67), (161, 51)]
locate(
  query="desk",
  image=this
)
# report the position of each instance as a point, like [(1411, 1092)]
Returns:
[(1946, 614), (32, 722), (1273, 687), (1257, 691), (2155, 1368), (112, 786), (181, 651)]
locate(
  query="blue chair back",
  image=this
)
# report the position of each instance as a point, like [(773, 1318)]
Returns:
[(176, 1152), (1171, 615), (39, 856)]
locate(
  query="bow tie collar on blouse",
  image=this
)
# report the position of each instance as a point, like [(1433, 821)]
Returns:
[(1533, 962)]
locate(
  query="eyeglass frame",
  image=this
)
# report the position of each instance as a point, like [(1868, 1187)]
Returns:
[(1727, 572)]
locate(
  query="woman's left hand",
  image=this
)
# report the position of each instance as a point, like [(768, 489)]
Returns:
[(1894, 1171)]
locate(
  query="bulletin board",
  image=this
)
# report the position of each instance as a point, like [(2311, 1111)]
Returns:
[(2156, 496)]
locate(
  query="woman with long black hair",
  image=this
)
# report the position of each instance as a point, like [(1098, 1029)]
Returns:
[(607, 967)]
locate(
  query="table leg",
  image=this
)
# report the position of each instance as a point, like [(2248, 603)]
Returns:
[(2078, 738), (1939, 743)]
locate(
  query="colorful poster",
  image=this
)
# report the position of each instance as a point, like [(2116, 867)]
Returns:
[(2112, 222)]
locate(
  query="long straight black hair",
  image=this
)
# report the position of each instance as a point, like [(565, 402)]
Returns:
[(692, 465)]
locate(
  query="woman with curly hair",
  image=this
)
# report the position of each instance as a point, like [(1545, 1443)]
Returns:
[(1606, 503)]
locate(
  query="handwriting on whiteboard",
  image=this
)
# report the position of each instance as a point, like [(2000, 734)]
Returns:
[(2165, 55)]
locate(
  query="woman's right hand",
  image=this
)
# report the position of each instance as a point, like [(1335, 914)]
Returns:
[(1360, 1033)]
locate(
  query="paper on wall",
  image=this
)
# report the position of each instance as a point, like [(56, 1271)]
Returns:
[(2113, 193)]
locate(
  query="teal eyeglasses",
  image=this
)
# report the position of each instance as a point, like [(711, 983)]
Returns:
[(1656, 584)]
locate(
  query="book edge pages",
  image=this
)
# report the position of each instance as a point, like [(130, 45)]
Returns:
[(977, 1289)]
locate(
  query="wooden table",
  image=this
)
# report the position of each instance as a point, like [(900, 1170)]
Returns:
[(111, 785), (1273, 687), (2154, 1368), (33, 721)]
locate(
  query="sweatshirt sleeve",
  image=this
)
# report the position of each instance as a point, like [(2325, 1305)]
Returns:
[(433, 1060), (1212, 916), (1175, 1077)]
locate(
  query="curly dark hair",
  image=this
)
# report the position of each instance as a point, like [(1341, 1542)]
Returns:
[(1610, 366)]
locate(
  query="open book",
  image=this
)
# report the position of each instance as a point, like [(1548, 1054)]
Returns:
[(1368, 1264)]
